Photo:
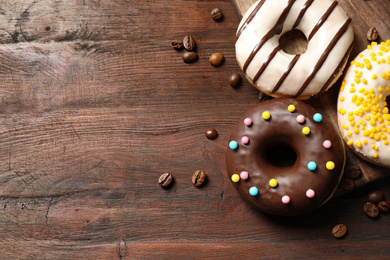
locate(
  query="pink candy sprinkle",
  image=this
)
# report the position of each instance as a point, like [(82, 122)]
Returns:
[(310, 193), (245, 139), (301, 119), (327, 144), (248, 121), (286, 199), (244, 175)]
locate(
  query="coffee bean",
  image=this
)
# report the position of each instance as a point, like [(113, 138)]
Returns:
[(347, 184), (190, 57), (371, 210), (211, 133), (339, 231), (235, 80), (376, 196), (198, 178), (216, 59), (372, 34), (165, 179), (189, 42), (383, 206), (352, 171), (177, 44), (216, 14)]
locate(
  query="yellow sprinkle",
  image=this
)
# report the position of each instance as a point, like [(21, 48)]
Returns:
[(380, 89), (235, 178), (352, 90), (362, 123), (366, 133), (356, 131), (373, 122), (367, 117), (345, 127), (375, 155), (306, 130), (383, 75), (266, 115), (357, 80), (360, 55), (386, 142), (330, 165), (365, 141), (364, 81), (273, 183), (380, 53), (350, 142), (358, 144), (291, 108), (374, 77), (373, 58), (342, 99), (349, 134)]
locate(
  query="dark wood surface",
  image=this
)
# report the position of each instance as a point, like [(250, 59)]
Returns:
[(96, 105)]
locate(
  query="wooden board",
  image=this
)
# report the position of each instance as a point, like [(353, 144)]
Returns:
[(364, 15), (95, 105)]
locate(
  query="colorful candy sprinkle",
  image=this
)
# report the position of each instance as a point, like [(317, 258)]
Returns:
[(306, 130), (327, 144), (266, 115), (235, 178), (273, 183), (310, 193), (301, 119), (330, 165), (253, 191), (245, 140), (233, 145), (291, 108), (244, 175), (248, 121), (312, 166), (317, 117), (286, 199)]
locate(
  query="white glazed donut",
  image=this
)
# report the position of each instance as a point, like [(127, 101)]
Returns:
[(330, 38), (363, 114)]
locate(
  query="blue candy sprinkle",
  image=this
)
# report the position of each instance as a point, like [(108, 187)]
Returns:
[(253, 191), (233, 145), (317, 117), (312, 166)]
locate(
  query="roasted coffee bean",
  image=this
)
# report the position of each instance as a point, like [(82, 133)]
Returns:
[(165, 179), (372, 34), (352, 171), (216, 59), (177, 44), (371, 210), (347, 184), (190, 57), (234, 80), (216, 14), (211, 133), (189, 43), (198, 178), (376, 196), (339, 231), (383, 206)]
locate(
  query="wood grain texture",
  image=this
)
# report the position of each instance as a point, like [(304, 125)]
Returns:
[(95, 105), (364, 15)]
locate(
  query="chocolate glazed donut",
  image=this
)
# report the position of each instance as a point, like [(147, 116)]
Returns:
[(284, 158)]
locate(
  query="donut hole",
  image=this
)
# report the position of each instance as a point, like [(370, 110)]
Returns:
[(293, 42), (280, 155)]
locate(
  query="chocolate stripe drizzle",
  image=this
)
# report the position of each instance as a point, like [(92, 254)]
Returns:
[(337, 70), (302, 13), (285, 73), (249, 19), (277, 29), (323, 19), (266, 62), (324, 55)]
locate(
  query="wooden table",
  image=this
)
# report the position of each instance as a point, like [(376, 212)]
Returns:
[(96, 105)]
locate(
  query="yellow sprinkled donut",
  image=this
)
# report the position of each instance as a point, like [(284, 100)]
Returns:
[(363, 113)]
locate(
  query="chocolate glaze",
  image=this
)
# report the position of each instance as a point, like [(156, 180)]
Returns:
[(266, 62), (282, 129), (285, 73), (249, 19), (302, 13)]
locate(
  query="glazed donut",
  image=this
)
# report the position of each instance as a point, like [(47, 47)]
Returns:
[(274, 72), (363, 113), (284, 158)]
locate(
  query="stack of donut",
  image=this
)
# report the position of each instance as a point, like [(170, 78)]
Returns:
[(283, 156)]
